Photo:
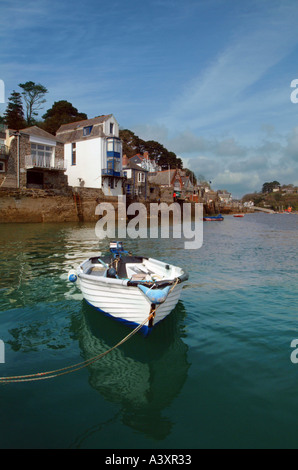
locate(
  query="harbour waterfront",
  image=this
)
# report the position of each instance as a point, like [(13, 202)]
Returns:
[(216, 373)]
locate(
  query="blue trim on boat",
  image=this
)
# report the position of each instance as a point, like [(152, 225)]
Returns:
[(145, 330)]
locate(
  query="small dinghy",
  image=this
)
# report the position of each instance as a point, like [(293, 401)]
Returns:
[(213, 218), (130, 288)]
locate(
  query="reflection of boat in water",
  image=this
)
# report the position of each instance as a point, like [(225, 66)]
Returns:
[(142, 377)]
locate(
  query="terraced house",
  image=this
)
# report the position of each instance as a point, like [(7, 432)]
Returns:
[(93, 154), (31, 158)]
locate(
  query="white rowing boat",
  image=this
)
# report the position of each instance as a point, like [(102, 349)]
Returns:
[(130, 288)]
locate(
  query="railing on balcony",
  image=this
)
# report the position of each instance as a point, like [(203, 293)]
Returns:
[(4, 150), (35, 161), (111, 172)]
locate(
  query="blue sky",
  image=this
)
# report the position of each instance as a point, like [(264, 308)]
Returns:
[(209, 79)]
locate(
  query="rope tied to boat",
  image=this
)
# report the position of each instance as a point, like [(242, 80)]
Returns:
[(75, 367)]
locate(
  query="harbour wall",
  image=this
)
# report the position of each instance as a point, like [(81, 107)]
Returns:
[(23, 206), (68, 205)]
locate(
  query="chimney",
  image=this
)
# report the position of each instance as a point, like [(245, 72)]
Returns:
[(124, 160), (146, 155)]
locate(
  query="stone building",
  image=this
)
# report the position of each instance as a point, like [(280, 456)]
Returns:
[(136, 179), (33, 158)]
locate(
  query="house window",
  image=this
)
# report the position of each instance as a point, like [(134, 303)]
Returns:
[(41, 155), (141, 177), (73, 154), (113, 164), (2, 167), (114, 145), (111, 128), (87, 130)]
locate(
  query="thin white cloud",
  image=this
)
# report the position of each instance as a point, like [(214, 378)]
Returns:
[(226, 90)]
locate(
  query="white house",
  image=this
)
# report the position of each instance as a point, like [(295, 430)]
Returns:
[(93, 154)]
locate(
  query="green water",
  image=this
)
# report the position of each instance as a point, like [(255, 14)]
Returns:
[(215, 374)]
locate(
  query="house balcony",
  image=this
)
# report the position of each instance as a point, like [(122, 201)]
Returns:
[(46, 163), (4, 151), (111, 172)]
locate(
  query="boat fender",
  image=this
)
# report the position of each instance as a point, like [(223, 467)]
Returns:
[(72, 276), (156, 296), (112, 273)]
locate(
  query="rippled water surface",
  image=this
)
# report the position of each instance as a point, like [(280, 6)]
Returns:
[(215, 374)]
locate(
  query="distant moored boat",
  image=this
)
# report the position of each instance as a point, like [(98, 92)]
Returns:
[(213, 218)]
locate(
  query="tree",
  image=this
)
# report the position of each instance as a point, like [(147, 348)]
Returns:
[(62, 112), (33, 95), (14, 114), (132, 145), (268, 187)]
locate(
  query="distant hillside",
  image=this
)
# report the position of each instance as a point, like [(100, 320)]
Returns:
[(277, 200), (132, 145)]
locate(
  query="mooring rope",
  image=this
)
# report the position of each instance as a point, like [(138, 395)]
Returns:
[(75, 367)]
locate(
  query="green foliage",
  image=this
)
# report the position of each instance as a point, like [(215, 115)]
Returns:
[(280, 200), (33, 95), (133, 145), (14, 114), (268, 187), (62, 112)]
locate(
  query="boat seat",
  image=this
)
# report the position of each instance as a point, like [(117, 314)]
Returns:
[(138, 277), (96, 271)]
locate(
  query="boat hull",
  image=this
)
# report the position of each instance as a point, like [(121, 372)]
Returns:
[(127, 303), (213, 219)]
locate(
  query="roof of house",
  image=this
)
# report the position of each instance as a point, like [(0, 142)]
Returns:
[(163, 177), (74, 130), (38, 132), (134, 166), (138, 156), (186, 181)]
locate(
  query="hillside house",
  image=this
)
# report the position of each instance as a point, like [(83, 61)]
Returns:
[(145, 162), (225, 197), (93, 154), (136, 179), (174, 179), (31, 158)]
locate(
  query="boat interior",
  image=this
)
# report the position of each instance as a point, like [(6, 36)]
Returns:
[(130, 267)]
